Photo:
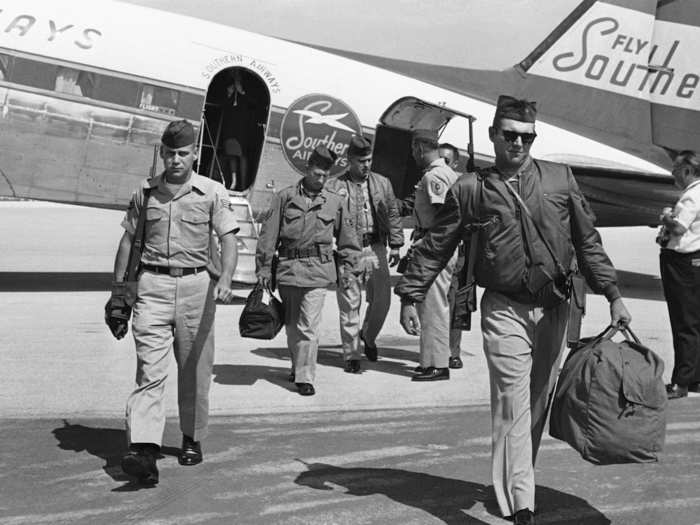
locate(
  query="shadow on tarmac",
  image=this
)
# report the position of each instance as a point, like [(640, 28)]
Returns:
[(444, 498), (250, 374), (390, 362), (633, 284), (108, 444)]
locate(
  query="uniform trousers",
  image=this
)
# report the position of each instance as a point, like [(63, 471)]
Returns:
[(434, 316), (178, 313), (523, 345), (680, 275), (378, 293), (303, 308)]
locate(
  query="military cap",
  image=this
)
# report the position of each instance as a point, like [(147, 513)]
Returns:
[(359, 146), (322, 157), (178, 134), (515, 109)]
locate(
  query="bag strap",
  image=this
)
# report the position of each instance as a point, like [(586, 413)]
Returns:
[(474, 240), (524, 207), (138, 242)]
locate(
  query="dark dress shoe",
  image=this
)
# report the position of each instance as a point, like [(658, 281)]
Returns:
[(524, 517), (419, 370), (456, 362), (191, 453), (352, 366), (676, 391), (432, 374), (306, 389), (371, 351), (141, 465)]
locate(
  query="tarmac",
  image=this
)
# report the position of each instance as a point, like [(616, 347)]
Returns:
[(367, 448)]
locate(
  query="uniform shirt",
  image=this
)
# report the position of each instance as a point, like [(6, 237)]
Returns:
[(687, 212), (432, 189), (178, 226), (365, 222), (311, 225)]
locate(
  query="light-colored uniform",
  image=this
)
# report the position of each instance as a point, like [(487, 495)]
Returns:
[(434, 310), (172, 311), (374, 211), (302, 229)]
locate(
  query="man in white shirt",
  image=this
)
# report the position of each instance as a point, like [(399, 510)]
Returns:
[(680, 273)]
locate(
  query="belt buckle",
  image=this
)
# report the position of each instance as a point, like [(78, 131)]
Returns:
[(175, 272)]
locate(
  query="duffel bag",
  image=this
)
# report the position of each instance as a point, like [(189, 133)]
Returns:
[(262, 316), (610, 400)]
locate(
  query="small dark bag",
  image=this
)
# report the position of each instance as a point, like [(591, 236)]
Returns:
[(260, 320)]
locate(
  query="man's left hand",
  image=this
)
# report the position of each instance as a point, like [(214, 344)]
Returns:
[(619, 314), (394, 257), (223, 291)]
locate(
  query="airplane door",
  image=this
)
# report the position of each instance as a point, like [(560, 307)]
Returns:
[(232, 136), (231, 141), (393, 136)]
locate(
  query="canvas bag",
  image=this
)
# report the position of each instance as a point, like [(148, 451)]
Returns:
[(610, 400), (262, 316)]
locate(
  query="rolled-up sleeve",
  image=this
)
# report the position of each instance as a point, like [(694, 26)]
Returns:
[(222, 216), (131, 216)]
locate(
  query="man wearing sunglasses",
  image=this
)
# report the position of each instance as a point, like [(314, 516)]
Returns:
[(534, 226)]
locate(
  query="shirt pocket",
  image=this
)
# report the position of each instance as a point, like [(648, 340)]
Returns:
[(195, 230), (324, 227), (156, 227), (292, 223)]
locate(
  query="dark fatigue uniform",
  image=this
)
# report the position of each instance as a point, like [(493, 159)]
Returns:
[(302, 230), (434, 309), (175, 303), (373, 209), (523, 341)]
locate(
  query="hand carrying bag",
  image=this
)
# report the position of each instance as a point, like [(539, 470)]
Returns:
[(262, 316), (610, 400)]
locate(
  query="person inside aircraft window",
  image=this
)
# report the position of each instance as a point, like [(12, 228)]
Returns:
[(74, 82), (160, 99)]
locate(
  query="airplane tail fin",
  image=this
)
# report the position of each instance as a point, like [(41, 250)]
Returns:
[(626, 67)]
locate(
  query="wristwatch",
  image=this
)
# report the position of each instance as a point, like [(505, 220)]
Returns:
[(407, 301)]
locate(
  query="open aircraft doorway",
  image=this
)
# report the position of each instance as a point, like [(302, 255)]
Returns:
[(394, 134), (232, 136), (236, 111)]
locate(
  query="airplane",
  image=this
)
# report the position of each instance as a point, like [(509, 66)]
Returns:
[(88, 87)]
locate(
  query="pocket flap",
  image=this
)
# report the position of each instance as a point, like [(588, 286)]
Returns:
[(196, 217)]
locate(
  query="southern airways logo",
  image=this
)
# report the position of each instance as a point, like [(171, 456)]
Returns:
[(314, 120)]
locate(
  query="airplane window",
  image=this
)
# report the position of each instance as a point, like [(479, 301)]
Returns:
[(75, 82), (5, 64), (33, 73), (116, 90), (162, 100), (190, 106)]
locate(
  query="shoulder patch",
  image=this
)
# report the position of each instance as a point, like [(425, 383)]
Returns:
[(436, 186)]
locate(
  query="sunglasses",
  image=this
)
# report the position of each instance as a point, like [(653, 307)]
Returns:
[(512, 136)]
